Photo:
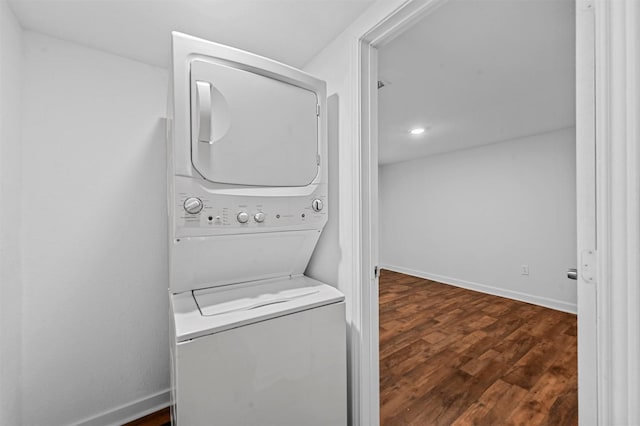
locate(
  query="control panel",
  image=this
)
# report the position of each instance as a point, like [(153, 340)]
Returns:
[(201, 212)]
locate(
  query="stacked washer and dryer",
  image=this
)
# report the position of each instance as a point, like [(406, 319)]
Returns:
[(254, 341)]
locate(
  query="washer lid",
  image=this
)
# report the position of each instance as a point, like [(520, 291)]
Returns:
[(217, 309)]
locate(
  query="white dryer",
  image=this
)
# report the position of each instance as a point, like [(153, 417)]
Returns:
[(254, 341)]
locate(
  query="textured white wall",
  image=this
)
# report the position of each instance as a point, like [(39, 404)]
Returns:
[(95, 323), (473, 217), (10, 220)]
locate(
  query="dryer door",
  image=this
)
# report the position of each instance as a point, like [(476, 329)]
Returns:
[(251, 129)]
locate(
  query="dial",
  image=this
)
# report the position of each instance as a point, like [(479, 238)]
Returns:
[(317, 205), (259, 217), (243, 217), (193, 205)]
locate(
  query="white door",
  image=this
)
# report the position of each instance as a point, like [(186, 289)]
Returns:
[(252, 129), (586, 211)]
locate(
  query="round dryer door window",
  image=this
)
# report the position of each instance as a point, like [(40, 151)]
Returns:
[(251, 129)]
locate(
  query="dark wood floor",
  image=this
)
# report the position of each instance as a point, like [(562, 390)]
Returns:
[(450, 356), (159, 418)]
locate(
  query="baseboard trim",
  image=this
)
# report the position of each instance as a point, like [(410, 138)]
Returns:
[(129, 412), (558, 305)]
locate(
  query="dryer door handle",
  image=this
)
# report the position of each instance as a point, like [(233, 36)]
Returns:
[(203, 104)]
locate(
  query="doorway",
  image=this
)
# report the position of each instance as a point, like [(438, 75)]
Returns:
[(377, 38), (476, 137)]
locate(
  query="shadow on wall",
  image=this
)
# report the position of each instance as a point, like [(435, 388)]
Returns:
[(327, 255)]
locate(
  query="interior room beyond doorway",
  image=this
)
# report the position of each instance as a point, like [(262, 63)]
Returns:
[(477, 215)]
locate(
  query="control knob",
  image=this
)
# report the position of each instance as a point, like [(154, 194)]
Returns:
[(243, 217), (316, 205), (193, 205), (259, 217)]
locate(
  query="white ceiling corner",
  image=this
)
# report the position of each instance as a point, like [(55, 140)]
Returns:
[(290, 31)]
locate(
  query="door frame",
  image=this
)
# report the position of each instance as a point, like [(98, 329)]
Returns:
[(607, 115)]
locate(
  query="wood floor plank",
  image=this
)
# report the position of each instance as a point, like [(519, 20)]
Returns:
[(532, 366), (454, 356), (500, 397), (158, 418)]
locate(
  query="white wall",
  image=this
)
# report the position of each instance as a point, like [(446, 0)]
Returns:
[(332, 259), (95, 322), (10, 220), (474, 217), (337, 256)]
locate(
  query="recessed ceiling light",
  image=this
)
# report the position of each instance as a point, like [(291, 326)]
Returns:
[(417, 131)]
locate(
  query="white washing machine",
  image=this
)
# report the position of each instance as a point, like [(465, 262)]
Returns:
[(254, 341)]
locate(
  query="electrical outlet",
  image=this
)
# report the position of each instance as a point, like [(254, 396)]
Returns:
[(524, 270)]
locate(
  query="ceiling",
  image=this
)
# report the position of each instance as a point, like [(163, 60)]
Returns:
[(477, 72), (290, 31)]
